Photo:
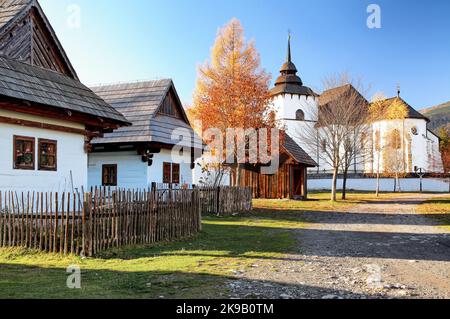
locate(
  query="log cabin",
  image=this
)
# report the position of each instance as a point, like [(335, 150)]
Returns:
[(144, 153), (47, 116), (291, 179)]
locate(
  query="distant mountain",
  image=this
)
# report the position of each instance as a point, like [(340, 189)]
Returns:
[(439, 116)]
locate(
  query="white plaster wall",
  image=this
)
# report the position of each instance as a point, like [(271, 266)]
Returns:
[(386, 184), (70, 157), (286, 105), (200, 177), (424, 145), (131, 171)]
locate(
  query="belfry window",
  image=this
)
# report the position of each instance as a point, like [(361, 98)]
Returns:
[(300, 115)]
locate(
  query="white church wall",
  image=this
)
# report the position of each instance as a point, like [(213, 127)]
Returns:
[(386, 184), (286, 105), (424, 145), (71, 157)]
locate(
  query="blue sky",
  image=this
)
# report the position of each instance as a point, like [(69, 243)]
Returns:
[(131, 40)]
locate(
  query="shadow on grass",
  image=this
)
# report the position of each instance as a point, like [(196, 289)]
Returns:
[(22, 281)]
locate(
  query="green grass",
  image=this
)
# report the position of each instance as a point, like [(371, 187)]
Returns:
[(437, 208), (197, 268)]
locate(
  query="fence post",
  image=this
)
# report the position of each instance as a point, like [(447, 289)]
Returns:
[(84, 250), (218, 201), (199, 207)]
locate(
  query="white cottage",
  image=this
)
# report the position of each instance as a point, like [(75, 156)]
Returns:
[(47, 117), (159, 147)]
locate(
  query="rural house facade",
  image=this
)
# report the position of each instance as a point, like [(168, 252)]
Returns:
[(47, 117), (159, 147)]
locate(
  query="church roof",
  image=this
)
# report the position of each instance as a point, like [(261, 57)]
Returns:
[(140, 103), (411, 112), (289, 82)]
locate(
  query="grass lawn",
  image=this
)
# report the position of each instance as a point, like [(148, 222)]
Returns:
[(437, 208), (196, 268)]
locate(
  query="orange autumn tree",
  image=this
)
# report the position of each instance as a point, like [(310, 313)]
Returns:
[(232, 89)]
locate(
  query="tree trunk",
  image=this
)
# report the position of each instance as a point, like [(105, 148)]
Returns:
[(378, 184), (334, 185), (344, 184)]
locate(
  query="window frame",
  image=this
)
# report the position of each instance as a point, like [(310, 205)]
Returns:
[(47, 169), (178, 173), (170, 168), (165, 166), (299, 115), (33, 152), (116, 177)]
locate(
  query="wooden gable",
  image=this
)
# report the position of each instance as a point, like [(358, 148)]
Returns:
[(30, 38), (171, 106)]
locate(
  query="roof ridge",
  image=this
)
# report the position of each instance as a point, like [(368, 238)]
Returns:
[(100, 85)]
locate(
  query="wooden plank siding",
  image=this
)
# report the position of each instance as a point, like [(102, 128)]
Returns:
[(277, 186)]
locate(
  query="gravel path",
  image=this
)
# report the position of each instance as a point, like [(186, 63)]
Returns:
[(377, 250)]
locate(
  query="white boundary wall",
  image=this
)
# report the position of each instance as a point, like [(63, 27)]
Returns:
[(386, 184)]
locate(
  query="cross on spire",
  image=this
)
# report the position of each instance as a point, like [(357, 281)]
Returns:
[(398, 90)]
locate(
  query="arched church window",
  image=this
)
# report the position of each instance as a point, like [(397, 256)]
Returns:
[(395, 140), (414, 130), (377, 141), (323, 143), (300, 115)]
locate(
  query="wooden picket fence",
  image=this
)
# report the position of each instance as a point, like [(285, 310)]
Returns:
[(89, 223), (225, 201)]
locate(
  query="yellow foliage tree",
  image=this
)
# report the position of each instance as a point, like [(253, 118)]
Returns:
[(232, 89)]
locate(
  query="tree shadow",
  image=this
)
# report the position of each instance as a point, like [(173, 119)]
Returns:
[(348, 218), (311, 242), (24, 281)]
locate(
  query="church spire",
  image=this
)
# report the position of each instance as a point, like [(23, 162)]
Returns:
[(288, 81), (288, 70), (288, 58)]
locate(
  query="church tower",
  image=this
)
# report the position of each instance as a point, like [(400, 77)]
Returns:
[(296, 105)]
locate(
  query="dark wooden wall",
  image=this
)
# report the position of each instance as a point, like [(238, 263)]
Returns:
[(277, 186)]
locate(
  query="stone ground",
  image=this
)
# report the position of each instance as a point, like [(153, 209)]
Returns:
[(377, 250)]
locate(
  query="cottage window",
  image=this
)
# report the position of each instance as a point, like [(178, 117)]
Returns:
[(414, 130), (171, 173), (167, 173), (109, 175), (47, 155), (24, 152), (175, 173)]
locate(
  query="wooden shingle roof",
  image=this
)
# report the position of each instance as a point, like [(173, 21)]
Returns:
[(140, 102), (297, 153), (9, 9), (30, 83)]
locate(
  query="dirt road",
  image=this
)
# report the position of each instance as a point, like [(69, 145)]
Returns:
[(377, 250)]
